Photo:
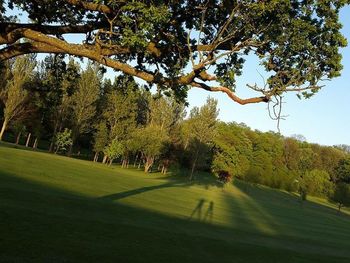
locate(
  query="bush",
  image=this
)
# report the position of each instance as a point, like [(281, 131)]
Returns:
[(63, 140), (224, 177)]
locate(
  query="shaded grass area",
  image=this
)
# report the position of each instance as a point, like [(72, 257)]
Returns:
[(58, 209)]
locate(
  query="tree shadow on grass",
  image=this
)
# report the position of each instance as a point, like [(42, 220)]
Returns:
[(166, 182), (145, 189)]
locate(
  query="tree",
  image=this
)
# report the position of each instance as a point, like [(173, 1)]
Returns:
[(342, 171), (84, 100), (14, 96), (57, 81), (342, 195), (150, 141), (173, 43), (19, 128), (330, 158), (167, 114), (291, 153), (316, 182), (100, 139), (120, 111), (63, 140), (232, 150), (304, 164), (199, 131), (113, 150)]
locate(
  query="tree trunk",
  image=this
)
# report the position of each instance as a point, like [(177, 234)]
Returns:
[(35, 145), (51, 148), (148, 164), (4, 126), (194, 166), (70, 151), (135, 161), (104, 159), (339, 207), (18, 137), (28, 139), (96, 157), (74, 139), (140, 160), (192, 171), (110, 162), (124, 163)]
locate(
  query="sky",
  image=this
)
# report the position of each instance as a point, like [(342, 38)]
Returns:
[(322, 119)]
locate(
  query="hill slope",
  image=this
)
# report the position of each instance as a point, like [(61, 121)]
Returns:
[(57, 209)]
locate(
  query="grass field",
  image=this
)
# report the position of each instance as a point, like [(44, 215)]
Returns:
[(58, 209)]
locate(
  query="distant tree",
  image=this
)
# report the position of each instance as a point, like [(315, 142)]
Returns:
[(19, 129), (199, 132), (84, 101), (114, 150), (330, 158), (150, 141), (344, 147), (291, 153), (342, 171), (261, 167), (299, 137), (342, 195), (14, 96), (232, 150), (316, 182), (60, 82), (63, 140), (100, 139), (304, 164), (120, 112), (167, 114)]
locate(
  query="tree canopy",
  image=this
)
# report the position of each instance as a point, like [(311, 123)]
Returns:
[(180, 44)]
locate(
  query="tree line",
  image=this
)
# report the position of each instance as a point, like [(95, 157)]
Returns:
[(57, 105)]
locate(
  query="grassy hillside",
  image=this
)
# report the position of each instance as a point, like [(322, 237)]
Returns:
[(57, 209)]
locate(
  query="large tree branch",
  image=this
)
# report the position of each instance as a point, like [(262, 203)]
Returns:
[(11, 32), (19, 49), (231, 94), (42, 43), (82, 51)]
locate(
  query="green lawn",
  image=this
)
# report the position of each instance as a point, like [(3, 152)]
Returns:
[(58, 209)]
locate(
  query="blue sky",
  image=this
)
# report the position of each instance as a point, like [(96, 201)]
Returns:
[(323, 119)]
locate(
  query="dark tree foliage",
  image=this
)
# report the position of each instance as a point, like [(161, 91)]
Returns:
[(342, 195), (342, 171), (172, 44)]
